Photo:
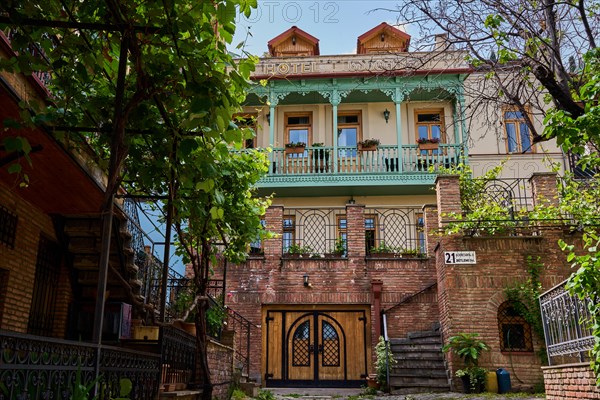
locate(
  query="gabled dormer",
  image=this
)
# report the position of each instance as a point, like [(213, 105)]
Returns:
[(384, 38), (294, 43)]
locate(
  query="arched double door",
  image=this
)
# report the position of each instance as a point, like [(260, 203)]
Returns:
[(318, 348)]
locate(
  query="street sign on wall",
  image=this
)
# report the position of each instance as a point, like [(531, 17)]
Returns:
[(460, 257)]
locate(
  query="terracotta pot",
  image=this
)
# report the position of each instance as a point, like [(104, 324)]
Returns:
[(294, 150), (367, 148)]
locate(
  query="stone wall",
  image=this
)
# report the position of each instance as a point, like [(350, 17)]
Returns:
[(570, 382), (220, 362)]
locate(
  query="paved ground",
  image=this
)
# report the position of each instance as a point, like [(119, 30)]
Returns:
[(341, 394)]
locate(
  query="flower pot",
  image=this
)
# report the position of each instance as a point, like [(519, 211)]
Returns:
[(466, 382), (367, 148), (372, 383), (294, 150), (429, 146)]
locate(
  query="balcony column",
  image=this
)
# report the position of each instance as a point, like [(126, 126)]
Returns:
[(398, 97), (335, 100), (463, 125), (272, 104)]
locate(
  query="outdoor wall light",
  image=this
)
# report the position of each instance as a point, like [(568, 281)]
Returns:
[(386, 115), (351, 201), (306, 283)]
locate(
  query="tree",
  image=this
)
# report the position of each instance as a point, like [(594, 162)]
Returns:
[(151, 87), (533, 41), (546, 51)]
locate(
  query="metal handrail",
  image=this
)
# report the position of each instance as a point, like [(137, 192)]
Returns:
[(408, 297)]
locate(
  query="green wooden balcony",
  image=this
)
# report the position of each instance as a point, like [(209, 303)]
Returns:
[(390, 169)]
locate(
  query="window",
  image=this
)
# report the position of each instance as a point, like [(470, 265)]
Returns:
[(247, 121), (289, 232), (8, 227), (349, 132), (430, 125), (421, 233), (515, 332), (3, 291), (518, 137), (342, 231), (256, 246), (47, 269), (298, 128), (370, 232)]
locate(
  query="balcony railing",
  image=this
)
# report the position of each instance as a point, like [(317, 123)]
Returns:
[(350, 160), (34, 367), (566, 321)]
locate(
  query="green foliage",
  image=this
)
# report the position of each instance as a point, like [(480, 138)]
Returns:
[(215, 316), (297, 249), (265, 395), (467, 346), (585, 283), (383, 248), (238, 394), (477, 377), (368, 391), (369, 142), (81, 391), (524, 298), (385, 359), (125, 387), (340, 246), (292, 145)]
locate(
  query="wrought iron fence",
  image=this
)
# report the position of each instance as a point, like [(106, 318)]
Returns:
[(178, 355), (400, 228), (320, 230), (315, 230), (512, 195), (34, 367), (566, 324)]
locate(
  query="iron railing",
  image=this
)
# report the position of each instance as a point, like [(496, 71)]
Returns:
[(241, 328), (401, 228), (178, 355), (318, 230), (566, 324), (321, 160), (512, 195), (35, 367), (578, 171)]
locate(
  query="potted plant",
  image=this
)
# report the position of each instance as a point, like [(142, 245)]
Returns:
[(339, 248), (383, 250), (295, 147), (385, 361), (428, 143), (469, 347), (368, 145), (297, 251), (409, 253)]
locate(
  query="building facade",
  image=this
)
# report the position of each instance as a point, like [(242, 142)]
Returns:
[(358, 142)]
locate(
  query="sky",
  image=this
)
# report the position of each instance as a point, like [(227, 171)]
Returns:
[(336, 23)]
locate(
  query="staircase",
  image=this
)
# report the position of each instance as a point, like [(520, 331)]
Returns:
[(82, 235), (420, 363)]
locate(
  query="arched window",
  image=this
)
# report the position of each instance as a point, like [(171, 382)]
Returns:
[(515, 332), (300, 346)]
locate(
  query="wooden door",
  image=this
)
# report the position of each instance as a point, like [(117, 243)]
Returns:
[(316, 348)]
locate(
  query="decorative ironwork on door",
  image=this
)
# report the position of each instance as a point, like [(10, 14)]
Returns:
[(301, 346), (331, 346)]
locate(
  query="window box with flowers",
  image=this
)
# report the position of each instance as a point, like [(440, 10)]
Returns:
[(368, 145), (428, 143), (295, 147)]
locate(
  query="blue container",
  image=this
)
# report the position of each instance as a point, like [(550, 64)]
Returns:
[(503, 380)]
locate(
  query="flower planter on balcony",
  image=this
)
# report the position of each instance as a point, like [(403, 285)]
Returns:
[(367, 148), (429, 146), (294, 150)]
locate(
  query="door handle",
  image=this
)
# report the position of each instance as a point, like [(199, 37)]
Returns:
[(311, 348), (321, 348)]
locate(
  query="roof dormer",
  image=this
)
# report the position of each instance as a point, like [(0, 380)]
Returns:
[(294, 43), (384, 38)]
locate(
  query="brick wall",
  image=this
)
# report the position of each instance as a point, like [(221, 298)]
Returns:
[(220, 363), (20, 264), (469, 295), (570, 382), (275, 281)]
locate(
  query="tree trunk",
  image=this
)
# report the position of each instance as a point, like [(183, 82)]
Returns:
[(202, 373)]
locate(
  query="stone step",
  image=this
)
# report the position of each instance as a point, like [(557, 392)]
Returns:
[(424, 334), (419, 389), (420, 363), (421, 340), (412, 347), (424, 383), (419, 355), (419, 373)]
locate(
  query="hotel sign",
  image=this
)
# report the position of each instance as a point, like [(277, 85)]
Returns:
[(333, 65)]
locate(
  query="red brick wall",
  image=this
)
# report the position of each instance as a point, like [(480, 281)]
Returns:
[(570, 382), (220, 363), (20, 263)]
